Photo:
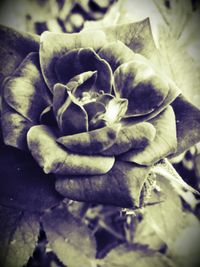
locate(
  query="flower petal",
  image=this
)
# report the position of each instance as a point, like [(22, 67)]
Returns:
[(116, 53), (164, 143), (92, 142), (137, 36), (47, 117), (144, 88), (54, 159), (72, 117), (51, 50), (132, 137), (94, 110), (14, 128), (82, 83), (59, 96), (15, 46), (187, 123), (173, 93), (121, 186), (82, 60), (25, 91)]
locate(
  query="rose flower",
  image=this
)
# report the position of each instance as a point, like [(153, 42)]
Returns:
[(94, 111)]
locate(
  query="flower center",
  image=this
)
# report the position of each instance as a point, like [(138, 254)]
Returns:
[(87, 97), (115, 110)]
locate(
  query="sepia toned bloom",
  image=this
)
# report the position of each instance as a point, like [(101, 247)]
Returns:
[(95, 109)]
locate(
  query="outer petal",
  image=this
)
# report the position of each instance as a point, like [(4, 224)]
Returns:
[(121, 186), (82, 60), (92, 142), (187, 123), (116, 53), (54, 159), (171, 96), (139, 82), (14, 47), (137, 36), (25, 91), (51, 50), (14, 128), (132, 137), (164, 143)]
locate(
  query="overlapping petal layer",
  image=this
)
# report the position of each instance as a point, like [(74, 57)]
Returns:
[(136, 136), (49, 53), (144, 87), (25, 97), (82, 60), (121, 186), (92, 142), (110, 140), (54, 159), (14, 127), (116, 53), (14, 47), (164, 143), (72, 117), (25, 91)]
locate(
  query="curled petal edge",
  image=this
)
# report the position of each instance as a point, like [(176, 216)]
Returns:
[(55, 159)]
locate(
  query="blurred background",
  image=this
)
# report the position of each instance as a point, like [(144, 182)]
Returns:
[(175, 28)]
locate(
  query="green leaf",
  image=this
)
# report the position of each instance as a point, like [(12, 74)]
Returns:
[(69, 238), (176, 15), (18, 236), (177, 61), (14, 47), (165, 169), (133, 255), (179, 45), (146, 235), (182, 236), (185, 251), (158, 228), (165, 217)]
